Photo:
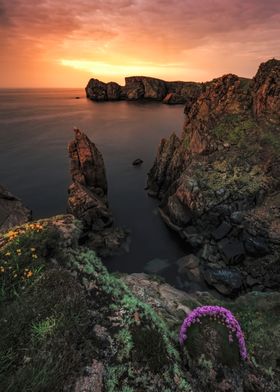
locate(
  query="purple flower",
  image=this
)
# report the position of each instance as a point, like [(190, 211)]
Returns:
[(221, 314)]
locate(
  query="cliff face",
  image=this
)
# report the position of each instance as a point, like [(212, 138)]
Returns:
[(143, 88), (218, 183)]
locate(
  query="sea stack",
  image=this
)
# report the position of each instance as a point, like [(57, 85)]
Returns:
[(87, 198)]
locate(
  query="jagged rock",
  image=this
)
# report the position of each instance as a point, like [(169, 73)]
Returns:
[(87, 198), (12, 210), (224, 168), (266, 90), (88, 193)]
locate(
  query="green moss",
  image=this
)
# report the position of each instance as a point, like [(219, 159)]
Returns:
[(234, 129)]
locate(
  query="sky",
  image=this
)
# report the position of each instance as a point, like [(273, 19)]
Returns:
[(63, 43)]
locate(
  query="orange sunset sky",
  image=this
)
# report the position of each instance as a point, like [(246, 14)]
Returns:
[(62, 43)]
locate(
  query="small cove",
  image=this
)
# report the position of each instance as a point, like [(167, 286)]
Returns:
[(36, 126)]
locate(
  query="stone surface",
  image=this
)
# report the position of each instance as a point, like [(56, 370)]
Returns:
[(12, 210), (225, 280)]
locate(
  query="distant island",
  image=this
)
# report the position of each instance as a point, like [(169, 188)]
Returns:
[(144, 88)]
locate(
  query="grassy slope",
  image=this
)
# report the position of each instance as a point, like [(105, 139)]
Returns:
[(52, 301)]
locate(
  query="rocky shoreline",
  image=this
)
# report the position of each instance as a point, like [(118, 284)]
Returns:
[(219, 182)]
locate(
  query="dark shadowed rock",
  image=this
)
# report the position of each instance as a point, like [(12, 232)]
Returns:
[(233, 251), (96, 90), (221, 231), (137, 162), (226, 281), (12, 210)]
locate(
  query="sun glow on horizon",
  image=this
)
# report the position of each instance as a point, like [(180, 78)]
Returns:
[(119, 71)]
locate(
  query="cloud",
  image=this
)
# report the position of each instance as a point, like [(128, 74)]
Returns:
[(128, 32)]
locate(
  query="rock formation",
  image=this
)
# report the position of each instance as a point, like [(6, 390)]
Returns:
[(219, 183), (143, 88), (87, 198), (12, 210)]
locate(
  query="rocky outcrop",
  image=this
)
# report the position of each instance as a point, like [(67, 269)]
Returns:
[(87, 198), (12, 210), (218, 183), (143, 88), (267, 90)]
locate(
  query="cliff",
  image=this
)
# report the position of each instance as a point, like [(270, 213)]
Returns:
[(219, 182), (143, 88)]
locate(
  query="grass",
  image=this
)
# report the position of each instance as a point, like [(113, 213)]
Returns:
[(47, 328)]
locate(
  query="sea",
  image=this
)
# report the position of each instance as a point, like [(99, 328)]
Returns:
[(36, 126)]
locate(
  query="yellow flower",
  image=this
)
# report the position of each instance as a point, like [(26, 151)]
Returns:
[(34, 257), (18, 250), (2, 269), (8, 254), (29, 274)]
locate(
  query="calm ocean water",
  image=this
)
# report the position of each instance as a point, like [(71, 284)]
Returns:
[(35, 128)]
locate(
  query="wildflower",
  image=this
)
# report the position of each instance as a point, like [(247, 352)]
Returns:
[(33, 249), (2, 269), (34, 257), (18, 251), (29, 274), (216, 312)]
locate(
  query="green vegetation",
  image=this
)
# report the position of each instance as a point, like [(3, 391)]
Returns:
[(235, 129), (71, 311)]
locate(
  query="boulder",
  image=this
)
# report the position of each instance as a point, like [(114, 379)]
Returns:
[(225, 280)]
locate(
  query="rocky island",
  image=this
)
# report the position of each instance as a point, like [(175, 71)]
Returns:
[(67, 324), (143, 88)]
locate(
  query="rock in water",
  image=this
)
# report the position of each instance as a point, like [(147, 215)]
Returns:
[(88, 192), (137, 162), (87, 198), (12, 210)]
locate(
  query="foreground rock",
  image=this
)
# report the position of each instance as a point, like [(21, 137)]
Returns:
[(87, 198), (143, 88), (219, 182), (12, 210)]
